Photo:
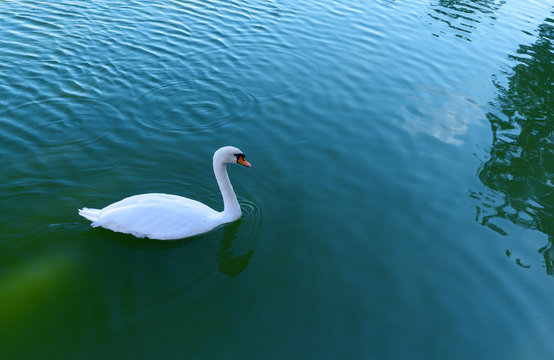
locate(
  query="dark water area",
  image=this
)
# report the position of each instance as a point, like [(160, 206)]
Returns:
[(400, 203)]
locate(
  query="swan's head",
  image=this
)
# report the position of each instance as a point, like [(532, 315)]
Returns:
[(230, 154)]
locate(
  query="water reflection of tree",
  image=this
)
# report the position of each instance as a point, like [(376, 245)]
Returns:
[(463, 15), (521, 164)]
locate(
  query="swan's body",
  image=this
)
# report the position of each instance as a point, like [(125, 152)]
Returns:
[(169, 217)]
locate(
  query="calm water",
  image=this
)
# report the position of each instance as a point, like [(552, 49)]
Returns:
[(399, 205)]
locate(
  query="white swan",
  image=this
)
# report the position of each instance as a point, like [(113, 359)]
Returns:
[(169, 217)]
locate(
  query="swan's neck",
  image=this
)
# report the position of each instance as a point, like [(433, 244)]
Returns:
[(231, 207)]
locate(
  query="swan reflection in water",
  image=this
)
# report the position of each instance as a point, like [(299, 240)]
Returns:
[(228, 261), (229, 264)]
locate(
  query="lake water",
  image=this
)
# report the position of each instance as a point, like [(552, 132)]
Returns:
[(399, 204)]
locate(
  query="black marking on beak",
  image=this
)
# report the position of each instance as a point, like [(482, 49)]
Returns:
[(241, 159)]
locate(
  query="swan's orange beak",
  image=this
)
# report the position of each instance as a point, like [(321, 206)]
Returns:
[(241, 160)]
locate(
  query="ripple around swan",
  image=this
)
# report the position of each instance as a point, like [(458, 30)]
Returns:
[(207, 192), (252, 215), (195, 105)]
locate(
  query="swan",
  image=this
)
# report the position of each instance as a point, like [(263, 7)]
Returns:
[(170, 217)]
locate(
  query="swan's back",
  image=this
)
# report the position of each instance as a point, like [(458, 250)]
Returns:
[(157, 216)]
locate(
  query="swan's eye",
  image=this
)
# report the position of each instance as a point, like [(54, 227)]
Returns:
[(239, 157)]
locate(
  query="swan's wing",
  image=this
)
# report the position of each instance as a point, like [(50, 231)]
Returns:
[(158, 216), (151, 198)]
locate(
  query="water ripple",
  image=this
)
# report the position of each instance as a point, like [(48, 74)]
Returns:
[(194, 105), (252, 216), (64, 122), (463, 16), (267, 70)]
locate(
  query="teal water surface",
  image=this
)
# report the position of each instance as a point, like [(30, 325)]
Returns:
[(399, 204)]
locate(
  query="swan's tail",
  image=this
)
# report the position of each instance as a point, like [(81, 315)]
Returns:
[(90, 214)]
